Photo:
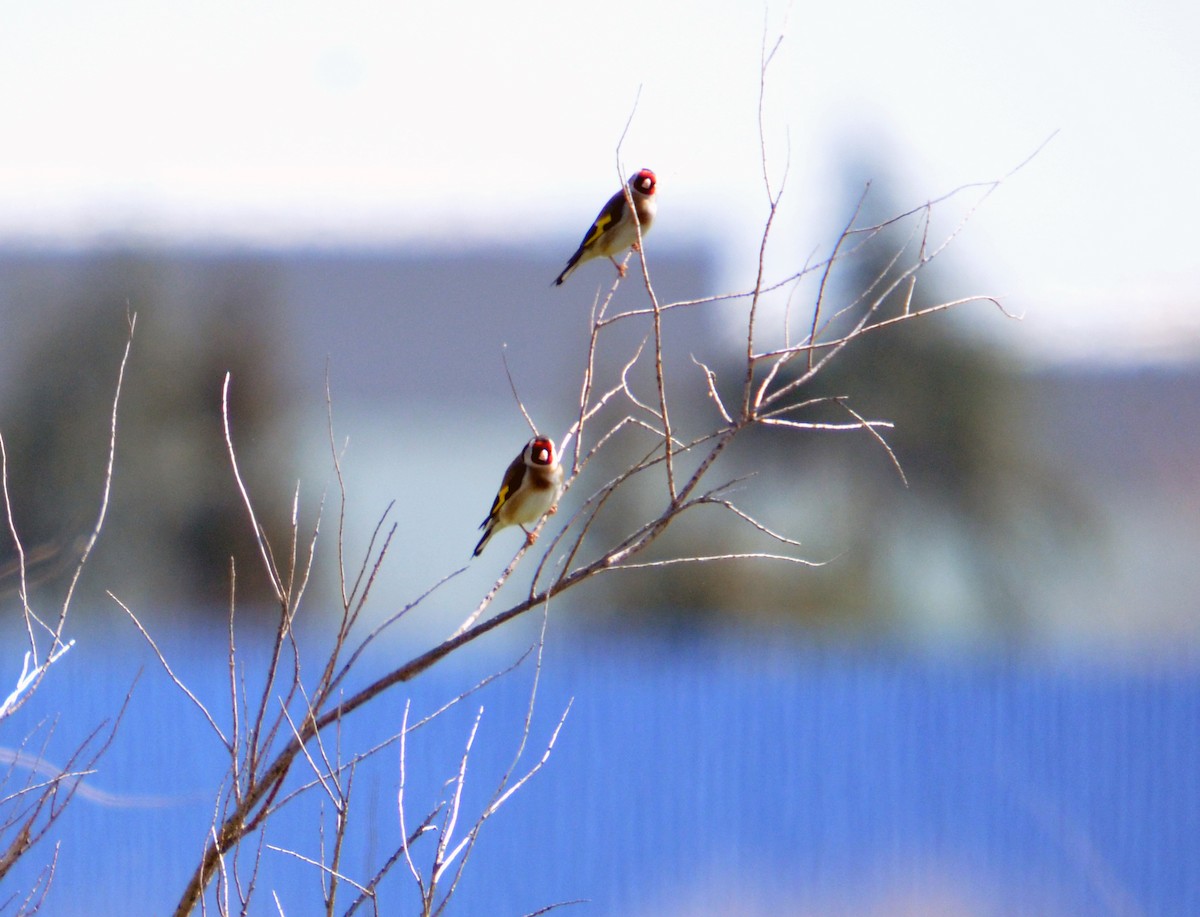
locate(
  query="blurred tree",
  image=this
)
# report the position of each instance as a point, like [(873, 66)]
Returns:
[(175, 516)]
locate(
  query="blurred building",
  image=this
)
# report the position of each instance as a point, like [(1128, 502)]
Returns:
[(1048, 503)]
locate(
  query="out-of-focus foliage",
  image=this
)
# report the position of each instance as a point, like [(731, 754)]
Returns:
[(175, 516)]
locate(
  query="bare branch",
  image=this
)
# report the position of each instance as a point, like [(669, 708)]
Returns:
[(819, 425), (581, 547), (750, 555), (625, 131), (175, 679), (710, 379), (513, 385), (342, 877), (412, 866), (22, 584), (553, 907), (452, 810), (260, 539), (106, 487), (505, 789), (754, 523), (870, 427)]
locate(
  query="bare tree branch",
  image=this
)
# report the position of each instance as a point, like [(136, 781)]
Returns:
[(622, 446)]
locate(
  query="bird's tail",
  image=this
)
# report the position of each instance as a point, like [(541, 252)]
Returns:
[(490, 527), (571, 265)]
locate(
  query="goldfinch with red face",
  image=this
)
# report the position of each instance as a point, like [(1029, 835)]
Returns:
[(528, 492), (615, 229)]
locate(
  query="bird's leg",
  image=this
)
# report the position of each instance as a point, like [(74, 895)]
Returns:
[(620, 267), (530, 537), (552, 510)]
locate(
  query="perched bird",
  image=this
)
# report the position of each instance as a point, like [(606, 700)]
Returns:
[(529, 491), (614, 229)]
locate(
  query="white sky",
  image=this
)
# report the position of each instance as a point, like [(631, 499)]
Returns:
[(305, 121)]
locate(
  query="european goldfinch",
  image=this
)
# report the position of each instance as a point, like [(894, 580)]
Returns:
[(529, 491), (614, 229)]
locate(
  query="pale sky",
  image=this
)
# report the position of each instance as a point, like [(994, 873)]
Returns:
[(305, 121)]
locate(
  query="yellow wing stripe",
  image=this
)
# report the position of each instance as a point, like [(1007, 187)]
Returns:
[(598, 228), (501, 496)]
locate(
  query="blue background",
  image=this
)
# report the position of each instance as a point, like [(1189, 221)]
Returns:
[(691, 773)]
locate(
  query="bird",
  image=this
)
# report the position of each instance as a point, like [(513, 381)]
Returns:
[(529, 491), (614, 229)]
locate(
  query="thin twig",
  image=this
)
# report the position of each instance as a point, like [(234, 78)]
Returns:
[(175, 679), (513, 385), (264, 550)]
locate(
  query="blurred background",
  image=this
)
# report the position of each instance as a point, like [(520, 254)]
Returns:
[(982, 703)]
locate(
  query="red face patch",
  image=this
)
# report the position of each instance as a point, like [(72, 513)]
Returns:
[(542, 451)]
